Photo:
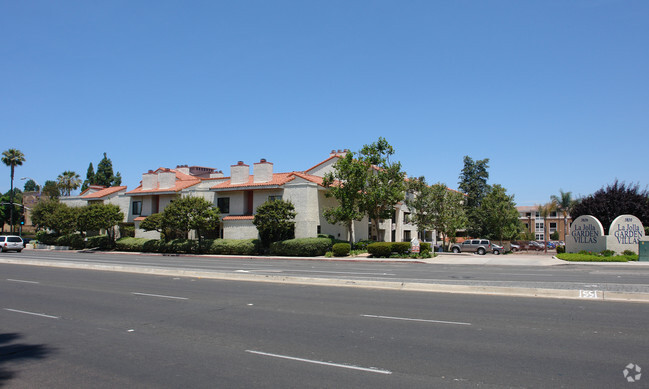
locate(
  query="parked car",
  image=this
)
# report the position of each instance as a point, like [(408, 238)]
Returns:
[(552, 245), (497, 249), (514, 247), (533, 245), (11, 242), (480, 246)]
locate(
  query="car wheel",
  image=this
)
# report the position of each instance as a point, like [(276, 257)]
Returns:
[(481, 251), (456, 250), (19, 250), (497, 252)]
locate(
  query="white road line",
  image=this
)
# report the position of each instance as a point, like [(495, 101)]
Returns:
[(368, 369), (160, 295), (32, 313), (23, 281), (422, 320)]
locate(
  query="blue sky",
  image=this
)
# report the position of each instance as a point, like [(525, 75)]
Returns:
[(554, 93)]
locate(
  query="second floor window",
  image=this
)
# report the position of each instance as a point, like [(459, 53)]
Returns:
[(224, 204), (137, 208), (273, 198)]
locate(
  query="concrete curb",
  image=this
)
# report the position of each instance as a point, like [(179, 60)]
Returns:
[(386, 285)]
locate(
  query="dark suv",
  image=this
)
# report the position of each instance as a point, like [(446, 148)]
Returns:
[(480, 246)]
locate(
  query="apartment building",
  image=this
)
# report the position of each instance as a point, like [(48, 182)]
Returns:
[(534, 223)]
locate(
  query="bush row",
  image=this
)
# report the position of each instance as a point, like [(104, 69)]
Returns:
[(386, 249), (306, 247), (75, 241)]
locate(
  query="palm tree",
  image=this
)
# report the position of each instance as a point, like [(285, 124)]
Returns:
[(563, 203), (68, 181), (12, 158), (544, 212)]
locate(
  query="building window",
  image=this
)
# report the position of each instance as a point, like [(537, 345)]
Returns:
[(273, 198), (319, 229), (538, 227), (553, 227), (540, 237), (223, 203), (406, 236), (137, 208)]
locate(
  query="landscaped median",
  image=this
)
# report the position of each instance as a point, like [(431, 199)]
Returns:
[(604, 256)]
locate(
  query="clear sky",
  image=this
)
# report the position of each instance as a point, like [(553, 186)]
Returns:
[(554, 92)]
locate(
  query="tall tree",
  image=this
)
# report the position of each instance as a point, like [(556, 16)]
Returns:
[(96, 217), (563, 203), (105, 175), (345, 184), (419, 200), (385, 183), (612, 201), (499, 214), (12, 158), (51, 189), (68, 181), (274, 221), (191, 213), (90, 177), (448, 212), (473, 183), (31, 186)]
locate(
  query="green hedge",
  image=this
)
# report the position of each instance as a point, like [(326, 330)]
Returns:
[(303, 247), (380, 249), (400, 248), (102, 242), (74, 241), (45, 237), (232, 246), (424, 247), (580, 257), (341, 249)]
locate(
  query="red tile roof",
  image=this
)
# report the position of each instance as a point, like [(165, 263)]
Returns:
[(183, 181), (325, 161), (278, 179), (103, 192)]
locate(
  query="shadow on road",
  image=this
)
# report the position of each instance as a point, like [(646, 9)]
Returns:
[(15, 352)]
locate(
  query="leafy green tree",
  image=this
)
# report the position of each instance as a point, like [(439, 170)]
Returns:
[(105, 175), (30, 186), (563, 202), (53, 215), (419, 200), (90, 177), (10, 212), (345, 184), (384, 185), (97, 217), (68, 181), (274, 221), (191, 213), (117, 180), (616, 199), (447, 211), (154, 222), (473, 183), (51, 189), (499, 215), (12, 158)]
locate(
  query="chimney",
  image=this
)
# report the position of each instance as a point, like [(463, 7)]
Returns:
[(149, 180), (217, 174), (166, 179), (239, 173), (338, 153), (183, 169), (262, 171)]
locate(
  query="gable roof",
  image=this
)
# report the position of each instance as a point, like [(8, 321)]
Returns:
[(183, 181), (103, 192), (279, 179)]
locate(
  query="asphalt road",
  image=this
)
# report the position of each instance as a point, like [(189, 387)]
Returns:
[(78, 328), (624, 278)]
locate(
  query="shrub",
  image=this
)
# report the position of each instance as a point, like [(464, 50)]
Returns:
[(102, 242), (127, 230), (401, 248), (628, 253), (362, 244), (131, 244), (232, 246), (607, 253), (304, 247), (380, 249), (341, 249), (424, 247), (74, 241), (45, 237), (561, 249)]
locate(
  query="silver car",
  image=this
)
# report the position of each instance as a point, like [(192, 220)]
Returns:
[(11, 242), (480, 246)]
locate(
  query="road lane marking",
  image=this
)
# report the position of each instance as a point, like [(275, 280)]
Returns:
[(421, 320), (23, 281), (32, 313), (160, 295), (367, 369)]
